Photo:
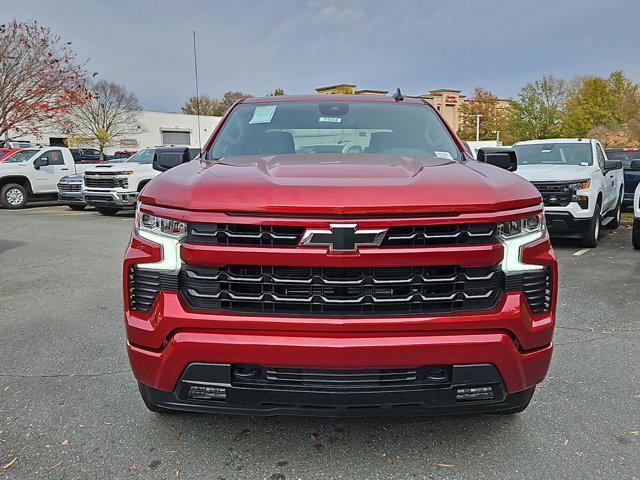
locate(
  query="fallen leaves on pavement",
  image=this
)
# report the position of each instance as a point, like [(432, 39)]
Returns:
[(8, 465), (64, 443), (445, 465), (56, 465)]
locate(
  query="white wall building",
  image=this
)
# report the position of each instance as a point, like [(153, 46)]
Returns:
[(155, 128)]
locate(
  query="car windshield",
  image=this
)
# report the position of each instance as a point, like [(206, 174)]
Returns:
[(554, 154), (625, 156), (20, 156), (143, 156), (282, 128)]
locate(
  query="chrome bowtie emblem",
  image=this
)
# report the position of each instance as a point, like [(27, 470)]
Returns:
[(341, 237)]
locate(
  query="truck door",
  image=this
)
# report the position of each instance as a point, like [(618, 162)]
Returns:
[(52, 168), (609, 192)]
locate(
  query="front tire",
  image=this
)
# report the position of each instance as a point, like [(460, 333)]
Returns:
[(635, 237), (110, 212), (77, 207), (13, 196), (590, 239)]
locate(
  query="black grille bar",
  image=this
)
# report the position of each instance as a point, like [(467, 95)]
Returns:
[(341, 291), (554, 194), (290, 236), (536, 287), (144, 286)]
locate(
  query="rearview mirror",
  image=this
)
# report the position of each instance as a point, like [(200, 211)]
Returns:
[(635, 165), (169, 157), (499, 157), (612, 165)]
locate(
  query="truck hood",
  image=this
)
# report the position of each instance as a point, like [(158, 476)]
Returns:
[(120, 167), (339, 184), (554, 173)]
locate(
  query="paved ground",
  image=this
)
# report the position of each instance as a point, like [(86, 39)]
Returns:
[(69, 407)]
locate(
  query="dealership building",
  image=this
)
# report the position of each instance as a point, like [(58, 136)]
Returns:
[(153, 129)]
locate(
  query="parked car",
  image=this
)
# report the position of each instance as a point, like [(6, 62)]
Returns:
[(86, 155), (113, 187), (582, 190), (121, 154), (70, 191), (405, 278), (631, 176), (7, 152), (34, 173), (635, 165)]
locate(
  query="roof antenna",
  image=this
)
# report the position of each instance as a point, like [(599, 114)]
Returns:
[(398, 95), (195, 66)]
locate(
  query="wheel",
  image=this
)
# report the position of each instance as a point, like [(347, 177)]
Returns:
[(152, 407), (590, 239), (13, 195), (77, 207), (615, 223), (527, 396), (107, 211), (635, 236)]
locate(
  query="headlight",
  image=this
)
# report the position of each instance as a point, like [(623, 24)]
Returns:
[(146, 222), (579, 185), (513, 235)]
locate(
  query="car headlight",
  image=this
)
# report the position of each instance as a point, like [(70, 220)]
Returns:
[(146, 222), (514, 234), (579, 185), (167, 233)]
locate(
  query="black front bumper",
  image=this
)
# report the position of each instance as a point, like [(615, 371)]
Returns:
[(563, 224), (310, 400), (71, 198)]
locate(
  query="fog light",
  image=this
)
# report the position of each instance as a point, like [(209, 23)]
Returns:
[(201, 392), (476, 393)]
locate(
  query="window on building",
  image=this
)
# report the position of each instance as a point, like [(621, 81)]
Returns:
[(176, 138)]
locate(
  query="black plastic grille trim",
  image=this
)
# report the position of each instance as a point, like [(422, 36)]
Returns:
[(536, 287), (101, 182), (144, 286), (560, 192), (340, 380), (312, 291), (290, 236), (70, 187)]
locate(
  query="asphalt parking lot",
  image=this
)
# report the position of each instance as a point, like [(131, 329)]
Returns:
[(69, 406)]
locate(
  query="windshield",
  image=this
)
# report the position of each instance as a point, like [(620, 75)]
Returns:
[(554, 154), (626, 156), (20, 156), (334, 127), (143, 156)]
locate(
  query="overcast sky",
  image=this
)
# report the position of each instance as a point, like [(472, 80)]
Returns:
[(256, 46)]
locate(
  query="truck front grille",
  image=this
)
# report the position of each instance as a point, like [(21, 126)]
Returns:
[(144, 286), (289, 236), (70, 187), (554, 194), (341, 291), (93, 182)]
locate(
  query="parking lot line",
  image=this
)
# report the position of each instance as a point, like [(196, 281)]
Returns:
[(581, 252)]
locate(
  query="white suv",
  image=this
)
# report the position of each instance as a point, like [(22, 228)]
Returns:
[(581, 188)]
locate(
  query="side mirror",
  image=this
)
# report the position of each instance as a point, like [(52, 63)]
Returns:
[(612, 165), (635, 165), (500, 157), (40, 162), (167, 158)]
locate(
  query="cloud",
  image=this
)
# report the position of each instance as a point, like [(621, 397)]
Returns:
[(344, 16)]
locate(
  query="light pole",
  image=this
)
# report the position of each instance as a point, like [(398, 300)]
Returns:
[(478, 117)]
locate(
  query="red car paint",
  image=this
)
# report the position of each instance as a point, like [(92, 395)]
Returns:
[(7, 152), (372, 191)]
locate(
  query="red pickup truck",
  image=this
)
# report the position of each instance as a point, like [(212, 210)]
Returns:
[(339, 255)]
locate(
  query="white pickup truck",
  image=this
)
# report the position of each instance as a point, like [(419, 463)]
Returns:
[(111, 187), (582, 190), (35, 172)]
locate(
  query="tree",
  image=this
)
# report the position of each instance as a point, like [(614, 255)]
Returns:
[(536, 113), (228, 99), (277, 92), (494, 116), (40, 78), (208, 106), (600, 102), (110, 113)]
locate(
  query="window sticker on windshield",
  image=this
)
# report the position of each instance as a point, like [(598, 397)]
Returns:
[(330, 119), (446, 155), (263, 114)]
